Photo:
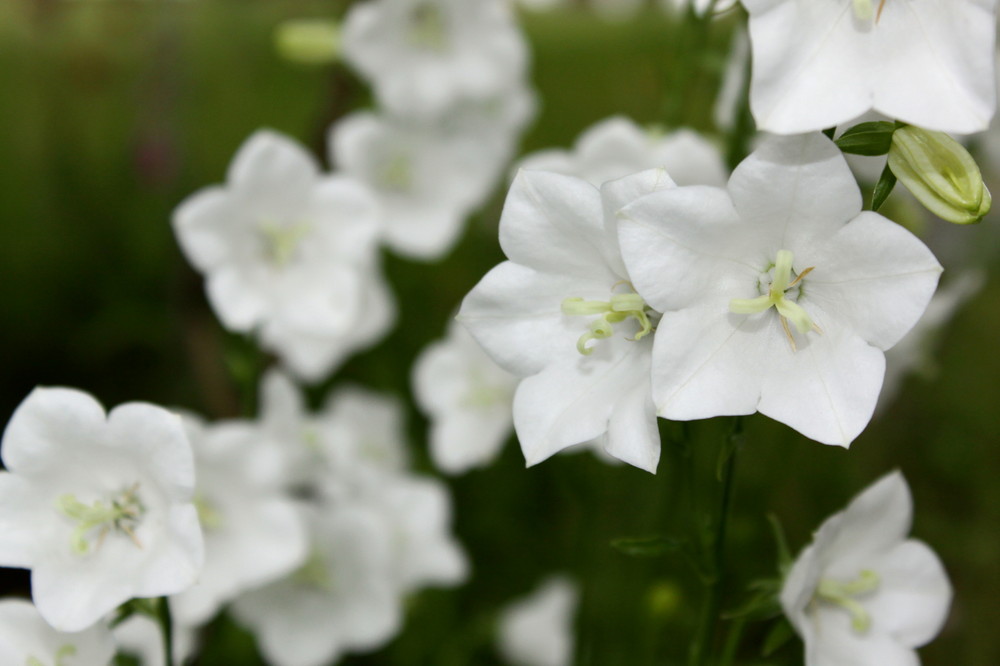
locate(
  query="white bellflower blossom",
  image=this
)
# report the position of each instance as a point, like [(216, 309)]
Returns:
[(26, 639), (538, 629), (562, 315), (820, 63), (862, 593), (290, 253), (425, 56), (778, 295), (98, 506)]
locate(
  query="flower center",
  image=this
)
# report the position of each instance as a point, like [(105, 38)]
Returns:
[(122, 515), (482, 394), (428, 29), (777, 296), (864, 9), (208, 515), (622, 306), (844, 595), (314, 573), (64, 652), (281, 241), (397, 174)]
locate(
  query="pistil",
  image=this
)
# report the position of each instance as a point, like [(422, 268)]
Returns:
[(843, 594), (123, 515), (622, 306)]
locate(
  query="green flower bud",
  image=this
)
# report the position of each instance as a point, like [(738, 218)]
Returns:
[(940, 173), (308, 41)]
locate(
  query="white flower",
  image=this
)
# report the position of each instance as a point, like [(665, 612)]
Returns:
[(289, 252), (538, 630), (862, 593), (426, 180), (25, 638), (139, 636), (616, 147), (254, 532), (562, 314), (97, 506), (818, 64), (424, 56), (779, 295), (699, 6), (468, 399), (341, 600)]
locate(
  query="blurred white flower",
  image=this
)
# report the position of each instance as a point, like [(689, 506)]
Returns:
[(779, 295), (426, 180), (699, 6), (140, 637), (26, 638), (290, 253), (862, 593), (98, 506), (819, 64), (562, 314), (424, 56), (342, 599), (616, 147), (467, 398), (538, 629), (254, 532)]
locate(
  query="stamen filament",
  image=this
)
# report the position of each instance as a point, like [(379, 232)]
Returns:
[(618, 309), (842, 594)]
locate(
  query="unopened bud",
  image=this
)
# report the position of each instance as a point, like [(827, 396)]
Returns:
[(308, 41), (940, 173)]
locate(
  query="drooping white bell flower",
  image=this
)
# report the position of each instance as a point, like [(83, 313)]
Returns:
[(341, 600), (616, 147), (254, 532), (538, 629), (424, 56), (819, 64), (562, 314), (98, 506), (779, 295), (468, 399), (288, 252), (26, 638), (426, 180), (862, 593)]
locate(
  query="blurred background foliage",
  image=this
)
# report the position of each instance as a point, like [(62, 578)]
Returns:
[(112, 112)]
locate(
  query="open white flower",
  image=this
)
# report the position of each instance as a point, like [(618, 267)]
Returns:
[(778, 295), (617, 147), (254, 532), (819, 64), (562, 314), (25, 638), (97, 506), (424, 56), (538, 629), (468, 399), (288, 252), (862, 593)]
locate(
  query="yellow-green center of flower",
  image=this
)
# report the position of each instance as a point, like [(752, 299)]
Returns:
[(865, 9), (622, 306), (64, 652), (314, 573), (122, 514), (428, 28), (481, 394), (208, 515), (281, 241), (845, 596), (397, 174), (777, 297)]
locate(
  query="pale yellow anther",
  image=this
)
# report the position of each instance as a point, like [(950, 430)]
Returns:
[(843, 595), (122, 515)]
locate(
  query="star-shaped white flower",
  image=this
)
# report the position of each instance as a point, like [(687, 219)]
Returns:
[(562, 314), (468, 399), (98, 506), (424, 56), (25, 638), (617, 147), (819, 63), (538, 629), (779, 295), (290, 253), (862, 593)]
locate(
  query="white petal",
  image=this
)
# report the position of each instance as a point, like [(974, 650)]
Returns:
[(617, 194), (24, 635), (836, 643), (875, 277), (22, 521), (914, 594), (155, 439), (205, 224), (239, 303), (273, 173), (463, 440), (633, 436)]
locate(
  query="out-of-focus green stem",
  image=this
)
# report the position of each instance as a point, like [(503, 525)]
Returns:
[(166, 631)]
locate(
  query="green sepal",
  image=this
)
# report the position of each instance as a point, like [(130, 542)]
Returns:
[(785, 560), (779, 634), (762, 603), (883, 188), (869, 139)]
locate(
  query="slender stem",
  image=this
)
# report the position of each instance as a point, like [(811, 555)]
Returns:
[(166, 630), (701, 647), (732, 642)]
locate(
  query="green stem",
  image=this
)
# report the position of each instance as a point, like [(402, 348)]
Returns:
[(701, 647), (166, 630), (732, 642)]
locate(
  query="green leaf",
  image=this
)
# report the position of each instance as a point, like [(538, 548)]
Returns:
[(780, 634), (654, 546), (883, 187), (869, 139)]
